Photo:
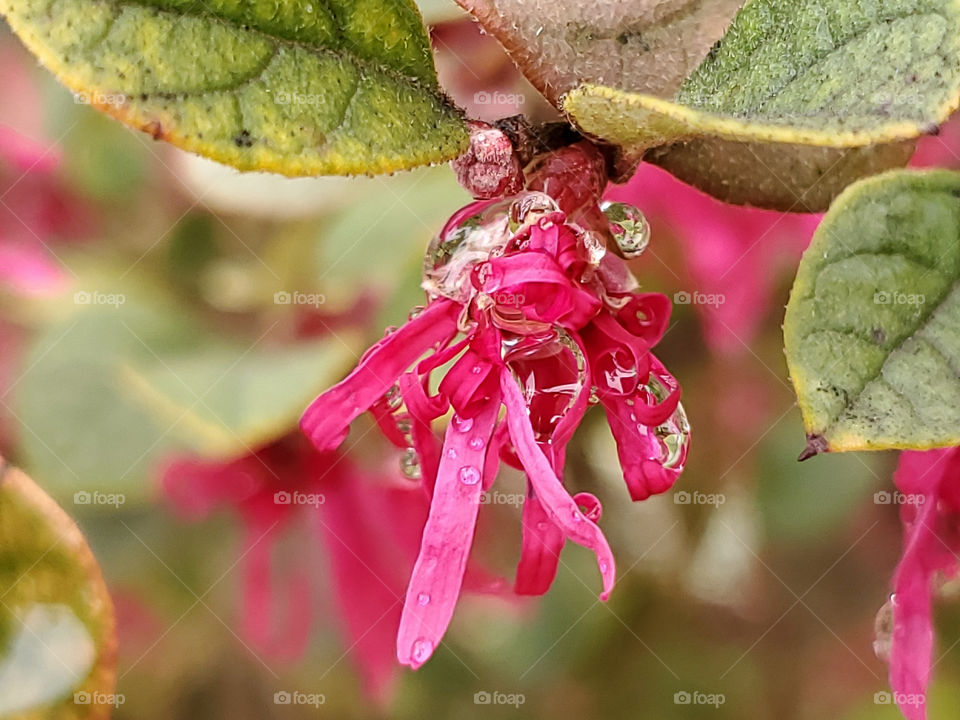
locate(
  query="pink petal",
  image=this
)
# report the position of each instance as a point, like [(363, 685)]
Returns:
[(540, 553), (286, 639), (438, 575), (371, 533), (327, 421), (557, 502)]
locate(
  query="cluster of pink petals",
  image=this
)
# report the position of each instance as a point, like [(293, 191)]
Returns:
[(530, 323), (930, 510), (289, 482)]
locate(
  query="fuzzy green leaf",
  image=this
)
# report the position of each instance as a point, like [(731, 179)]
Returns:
[(802, 76), (304, 87), (872, 329)]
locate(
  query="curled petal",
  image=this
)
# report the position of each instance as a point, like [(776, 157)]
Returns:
[(590, 503), (561, 508), (638, 449), (447, 538), (646, 315), (620, 361), (540, 552), (470, 384), (327, 420)]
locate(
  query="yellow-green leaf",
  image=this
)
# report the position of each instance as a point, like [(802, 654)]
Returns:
[(872, 329), (799, 75), (300, 87), (57, 633), (225, 400)]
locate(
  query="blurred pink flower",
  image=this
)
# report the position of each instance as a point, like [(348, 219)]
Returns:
[(534, 316), (371, 532), (734, 255), (930, 485), (34, 211)]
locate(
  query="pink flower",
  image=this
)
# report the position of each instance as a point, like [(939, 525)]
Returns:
[(34, 210), (534, 317), (732, 253), (929, 483), (371, 532)]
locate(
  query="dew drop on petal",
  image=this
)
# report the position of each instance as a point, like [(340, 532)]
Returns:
[(475, 443), (476, 369), (423, 599), (462, 424), (577, 516), (542, 525), (410, 464), (422, 650), (670, 439), (629, 228), (452, 454), (469, 475), (883, 630)]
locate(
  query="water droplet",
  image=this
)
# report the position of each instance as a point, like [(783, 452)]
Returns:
[(669, 442), (410, 464), (619, 373), (422, 649), (577, 516), (469, 475), (530, 207), (476, 443), (476, 369), (452, 454), (542, 525), (462, 424), (423, 599), (551, 372), (416, 312), (883, 630), (629, 228), (309, 8), (470, 237), (604, 566)]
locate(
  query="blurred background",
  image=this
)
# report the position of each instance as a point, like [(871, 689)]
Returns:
[(155, 308)]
